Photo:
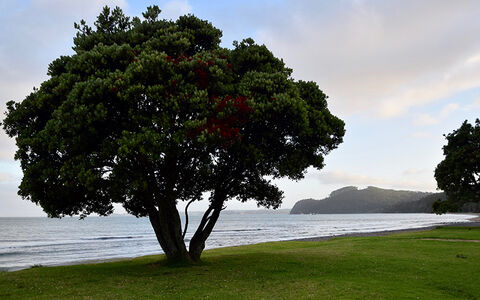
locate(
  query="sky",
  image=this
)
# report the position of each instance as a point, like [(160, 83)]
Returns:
[(400, 73)]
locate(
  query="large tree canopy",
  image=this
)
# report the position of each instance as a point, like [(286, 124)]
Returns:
[(459, 173), (150, 112)]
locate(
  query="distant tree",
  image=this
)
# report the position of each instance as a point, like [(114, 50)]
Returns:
[(150, 112), (458, 174)]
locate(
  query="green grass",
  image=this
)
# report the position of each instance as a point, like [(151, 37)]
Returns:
[(388, 267)]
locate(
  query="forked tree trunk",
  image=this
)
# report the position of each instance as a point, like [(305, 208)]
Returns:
[(164, 216), (210, 217), (168, 230)]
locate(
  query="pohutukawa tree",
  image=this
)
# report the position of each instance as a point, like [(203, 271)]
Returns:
[(149, 112), (459, 173)]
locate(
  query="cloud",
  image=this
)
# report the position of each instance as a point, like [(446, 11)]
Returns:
[(41, 27), (421, 135), (413, 171), (11, 205), (33, 34), (474, 59), (448, 109), (437, 87), (5, 177), (427, 119), (369, 59), (340, 177), (475, 103), (7, 147), (174, 9), (345, 178)]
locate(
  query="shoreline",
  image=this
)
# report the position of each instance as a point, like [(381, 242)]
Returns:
[(475, 217), (474, 222)]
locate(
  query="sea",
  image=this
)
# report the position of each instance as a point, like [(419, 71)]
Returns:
[(40, 241)]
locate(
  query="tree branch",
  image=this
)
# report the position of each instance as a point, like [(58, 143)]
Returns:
[(204, 219), (186, 218), (209, 219)]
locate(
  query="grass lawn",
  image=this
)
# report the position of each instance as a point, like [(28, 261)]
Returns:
[(388, 267)]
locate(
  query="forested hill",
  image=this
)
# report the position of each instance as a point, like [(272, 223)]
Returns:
[(370, 200)]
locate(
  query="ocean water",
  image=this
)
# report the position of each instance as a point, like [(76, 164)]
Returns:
[(25, 242)]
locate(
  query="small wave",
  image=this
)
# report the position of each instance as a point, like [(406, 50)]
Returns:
[(2, 254), (238, 230), (20, 241), (113, 238), (44, 245)]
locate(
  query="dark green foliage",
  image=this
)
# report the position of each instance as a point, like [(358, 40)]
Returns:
[(470, 207), (423, 205), (149, 112), (350, 200), (459, 173)]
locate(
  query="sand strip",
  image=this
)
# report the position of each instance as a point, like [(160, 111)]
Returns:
[(385, 232)]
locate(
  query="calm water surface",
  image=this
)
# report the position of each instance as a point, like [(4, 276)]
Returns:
[(41, 241)]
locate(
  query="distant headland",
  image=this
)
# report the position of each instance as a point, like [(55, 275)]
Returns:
[(351, 200)]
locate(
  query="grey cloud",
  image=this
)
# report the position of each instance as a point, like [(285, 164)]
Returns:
[(32, 35), (382, 57), (347, 178), (35, 33)]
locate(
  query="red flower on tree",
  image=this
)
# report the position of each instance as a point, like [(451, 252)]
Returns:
[(227, 127), (202, 78)]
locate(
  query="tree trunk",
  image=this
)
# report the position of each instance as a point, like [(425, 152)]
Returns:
[(166, 223), (168, 230), (210, 217), (164, 216)]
